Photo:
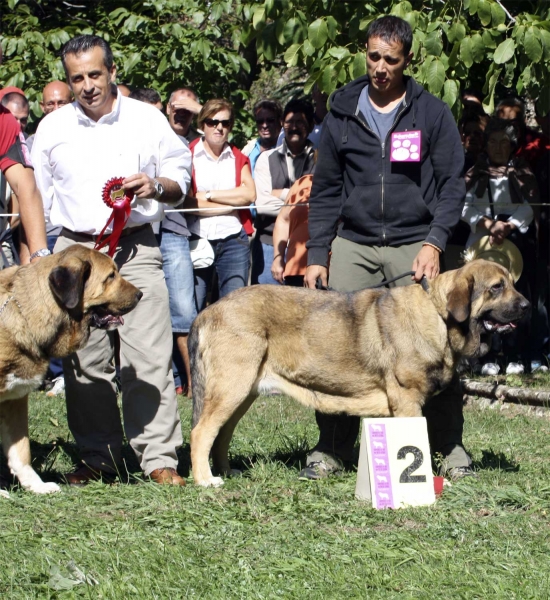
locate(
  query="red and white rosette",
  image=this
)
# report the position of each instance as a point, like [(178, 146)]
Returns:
[(117, 198)]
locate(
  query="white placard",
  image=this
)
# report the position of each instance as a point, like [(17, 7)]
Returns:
[(395, 467)]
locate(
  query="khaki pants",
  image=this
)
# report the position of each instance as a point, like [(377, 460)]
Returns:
[(149, 407), (355, 267)]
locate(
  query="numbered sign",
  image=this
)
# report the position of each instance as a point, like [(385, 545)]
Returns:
[(394, 463)]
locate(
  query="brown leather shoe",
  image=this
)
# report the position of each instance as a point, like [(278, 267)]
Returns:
[(166, 476), (84, 474)]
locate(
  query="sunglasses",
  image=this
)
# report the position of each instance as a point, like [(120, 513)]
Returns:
[(226, 123), (269, 121)]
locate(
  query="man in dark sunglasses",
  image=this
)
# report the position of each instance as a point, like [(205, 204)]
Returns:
[(267, 114), (183, 106)]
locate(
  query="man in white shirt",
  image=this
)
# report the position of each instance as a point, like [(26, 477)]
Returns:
[(77, 149)]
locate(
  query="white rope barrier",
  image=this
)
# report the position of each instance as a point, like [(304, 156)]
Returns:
[(254, 207)]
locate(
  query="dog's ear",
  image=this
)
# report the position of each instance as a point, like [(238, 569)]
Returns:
[(67, 282), (459, 298)]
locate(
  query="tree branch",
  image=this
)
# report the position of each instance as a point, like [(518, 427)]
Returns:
[(504, 9), (508, 394)]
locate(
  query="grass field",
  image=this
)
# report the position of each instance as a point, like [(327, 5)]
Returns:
[(268, 535)]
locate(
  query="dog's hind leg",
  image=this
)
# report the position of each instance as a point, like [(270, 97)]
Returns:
[(14, 431), (220, 449), (223, 408)]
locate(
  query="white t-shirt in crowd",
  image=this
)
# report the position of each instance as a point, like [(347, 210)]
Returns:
[(214, 174)]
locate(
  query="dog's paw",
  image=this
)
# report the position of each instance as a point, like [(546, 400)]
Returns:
[(4, 494), (44, 488), (211, 482)]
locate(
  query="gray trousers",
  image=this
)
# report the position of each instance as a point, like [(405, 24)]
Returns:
[(355, 267), (149, 407)]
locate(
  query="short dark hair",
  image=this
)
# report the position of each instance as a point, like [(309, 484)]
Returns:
[(299, 105), (84, 43), (505, 125), (146, 95), (272, 105), (392, 29), (473, 92), (16, 98)]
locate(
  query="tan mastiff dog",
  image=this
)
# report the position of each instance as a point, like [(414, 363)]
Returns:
[(46, 310), (370, 353)]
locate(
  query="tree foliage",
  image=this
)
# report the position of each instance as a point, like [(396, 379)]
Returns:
[(161, 44), (496, 46)]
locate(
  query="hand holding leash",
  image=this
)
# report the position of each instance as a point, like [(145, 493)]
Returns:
[(313, 273), (426, 263)]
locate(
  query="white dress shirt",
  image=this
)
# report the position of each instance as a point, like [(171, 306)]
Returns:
[(521, 215), (74, 156), (214, 174)]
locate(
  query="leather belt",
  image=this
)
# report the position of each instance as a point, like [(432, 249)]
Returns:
[(93, 238)]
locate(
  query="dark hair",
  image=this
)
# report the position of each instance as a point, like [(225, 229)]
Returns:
[(146, 95), (473, 92), (84, 43), (392, 29), (16, 98), (512, 103), (505, 125), (300, 106), (271, 105)]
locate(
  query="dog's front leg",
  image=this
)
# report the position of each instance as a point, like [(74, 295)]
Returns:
[(14, 431)]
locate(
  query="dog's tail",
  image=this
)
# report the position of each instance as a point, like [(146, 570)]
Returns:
[(197, 373)]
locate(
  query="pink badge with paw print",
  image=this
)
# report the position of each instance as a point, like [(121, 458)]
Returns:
[(406, 146)]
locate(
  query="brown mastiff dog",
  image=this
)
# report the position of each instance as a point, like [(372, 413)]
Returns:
[(46, 310), (370, 353)]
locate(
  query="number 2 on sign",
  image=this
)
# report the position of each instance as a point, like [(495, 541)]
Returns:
[(407, 475)]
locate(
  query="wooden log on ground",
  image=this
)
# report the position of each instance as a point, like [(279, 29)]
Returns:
[(507, 394)]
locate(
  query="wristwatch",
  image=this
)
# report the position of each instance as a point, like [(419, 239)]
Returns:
[(40, 253), (208, 195), (159, 189)]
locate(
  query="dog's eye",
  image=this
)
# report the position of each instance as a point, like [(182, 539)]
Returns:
[(497, 287), (111, 276)]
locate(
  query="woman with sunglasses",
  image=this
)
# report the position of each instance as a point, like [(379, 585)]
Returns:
[(221, 180)]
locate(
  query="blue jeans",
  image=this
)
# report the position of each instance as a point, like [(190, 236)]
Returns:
[(262, 258), (231, 261), (178, 273)]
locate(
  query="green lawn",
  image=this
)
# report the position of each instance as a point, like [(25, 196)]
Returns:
[(268, 535)]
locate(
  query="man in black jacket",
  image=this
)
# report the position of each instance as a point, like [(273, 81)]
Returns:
[(386, 195)]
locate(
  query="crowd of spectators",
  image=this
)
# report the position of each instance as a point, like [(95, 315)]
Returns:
[(241, 219)]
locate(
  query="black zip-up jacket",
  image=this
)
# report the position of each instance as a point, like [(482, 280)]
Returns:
[(375, 202)]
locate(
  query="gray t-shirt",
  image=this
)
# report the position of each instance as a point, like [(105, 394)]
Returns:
[(379, 122), (176, 222)]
